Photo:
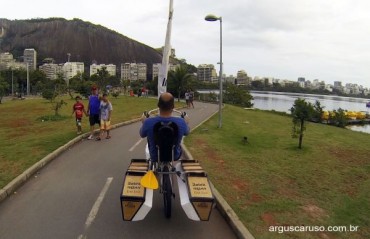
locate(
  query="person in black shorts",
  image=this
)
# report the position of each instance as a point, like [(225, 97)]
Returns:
[(93, 110)]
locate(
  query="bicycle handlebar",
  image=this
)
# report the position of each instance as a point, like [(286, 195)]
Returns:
[(148, 113)]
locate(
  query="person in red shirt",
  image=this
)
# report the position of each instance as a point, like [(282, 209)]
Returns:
[(78, 110)]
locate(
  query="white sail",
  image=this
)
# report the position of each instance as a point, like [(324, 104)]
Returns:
[(163, 71)]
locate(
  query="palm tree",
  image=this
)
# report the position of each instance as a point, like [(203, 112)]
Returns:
[(178, 80)]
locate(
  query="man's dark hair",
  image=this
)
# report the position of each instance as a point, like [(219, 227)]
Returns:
[(166, 103)]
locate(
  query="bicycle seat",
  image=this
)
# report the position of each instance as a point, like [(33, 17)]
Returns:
[(165, 138)]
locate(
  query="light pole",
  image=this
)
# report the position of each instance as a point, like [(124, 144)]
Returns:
[(28, 80), (212, 18), (12, 83)]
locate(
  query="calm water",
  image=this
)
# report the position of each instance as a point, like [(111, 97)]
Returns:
[(284, 101)]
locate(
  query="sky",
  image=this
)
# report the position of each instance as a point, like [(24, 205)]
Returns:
[(327, 40)]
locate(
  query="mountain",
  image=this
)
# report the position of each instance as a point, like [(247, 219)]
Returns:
[(86, 42)]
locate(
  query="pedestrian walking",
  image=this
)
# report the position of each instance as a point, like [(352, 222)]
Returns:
[(78, 109), (105, 117), (187, 98), (93, 110), (191, 98)]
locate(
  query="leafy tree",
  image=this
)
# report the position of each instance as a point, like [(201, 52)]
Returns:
[(317, 111), (102, 78), (57, 106), (37, 81), (4, 87), (178, 80), (236, 95), (301, 112), (48, 94), (340, 118)]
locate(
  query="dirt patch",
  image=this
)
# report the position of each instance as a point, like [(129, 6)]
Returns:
[(240, 185), (17, 123), (256, 198), (350, 156), (314, 211), (268, 218)]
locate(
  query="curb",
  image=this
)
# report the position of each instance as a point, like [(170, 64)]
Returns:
[(11, 187), (226, 211)]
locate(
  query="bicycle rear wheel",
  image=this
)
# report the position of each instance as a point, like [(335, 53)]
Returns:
[(167, 192)]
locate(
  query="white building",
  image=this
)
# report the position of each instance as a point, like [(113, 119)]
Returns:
[(30, 58), (206, 72), (111, 69), (70, 69), (51, 70), (7, 62), (242, 78), (133, 71), (156, 68)]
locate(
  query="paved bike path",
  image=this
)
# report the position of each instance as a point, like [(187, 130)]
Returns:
[(77, 195)]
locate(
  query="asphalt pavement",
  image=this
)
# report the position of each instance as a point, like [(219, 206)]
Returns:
[(77, 195)]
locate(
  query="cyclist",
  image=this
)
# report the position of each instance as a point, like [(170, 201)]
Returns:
[(166, 104)]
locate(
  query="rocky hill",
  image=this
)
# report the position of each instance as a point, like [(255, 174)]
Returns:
[(86, 42)]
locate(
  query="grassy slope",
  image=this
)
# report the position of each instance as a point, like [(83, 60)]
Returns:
[(25, 140), (269, 181)]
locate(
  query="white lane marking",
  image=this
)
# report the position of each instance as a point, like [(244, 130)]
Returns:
[(135, 145), (95, 208)]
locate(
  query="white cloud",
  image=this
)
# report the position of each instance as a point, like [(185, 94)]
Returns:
[(328, 39)]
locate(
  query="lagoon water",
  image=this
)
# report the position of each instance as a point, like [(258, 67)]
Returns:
[(282, 101)]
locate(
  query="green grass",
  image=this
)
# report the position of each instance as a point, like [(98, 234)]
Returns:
[(25, 138), (269, 181)]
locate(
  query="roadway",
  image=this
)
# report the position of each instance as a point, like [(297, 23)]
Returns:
[(77, 195)]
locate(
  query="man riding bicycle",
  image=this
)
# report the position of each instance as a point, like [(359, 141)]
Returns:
[(166, 104)]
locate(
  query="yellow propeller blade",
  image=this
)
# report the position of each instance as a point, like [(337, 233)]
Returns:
[(149, 180)]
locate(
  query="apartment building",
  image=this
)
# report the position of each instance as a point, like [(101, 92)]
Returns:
[(158, 66), (206, 72), (8, 62), (51, 70), (242, 78), (111, 69), (70, 69), (133, 71), (30, 58)]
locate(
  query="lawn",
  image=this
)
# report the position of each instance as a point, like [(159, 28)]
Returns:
[(270, 182), (25, 139)]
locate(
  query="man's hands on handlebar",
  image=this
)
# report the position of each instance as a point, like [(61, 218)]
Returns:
[(146, 114)]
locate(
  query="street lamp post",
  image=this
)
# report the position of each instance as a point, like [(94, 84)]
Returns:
[(12, 83), (212, 18), (28, 80)]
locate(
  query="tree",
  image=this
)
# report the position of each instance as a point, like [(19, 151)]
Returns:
[(4, 87), (236, 95), (178, 80), (102, 78), (340, 118), (317, 111), (301, 112)]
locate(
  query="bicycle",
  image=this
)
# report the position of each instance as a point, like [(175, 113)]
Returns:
[(165, 137)]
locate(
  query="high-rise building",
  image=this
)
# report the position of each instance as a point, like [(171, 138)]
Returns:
[(30, 58), (242, 78), (157, 66), (51, 70), (206, 72), (111, 69), (133, 71), (7, 62), (70, 69)]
